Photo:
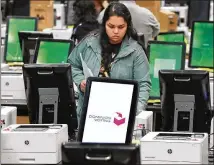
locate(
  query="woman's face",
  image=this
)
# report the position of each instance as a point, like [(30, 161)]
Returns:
[(116, 28)]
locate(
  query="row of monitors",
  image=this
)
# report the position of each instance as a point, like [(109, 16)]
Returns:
[(162, 54), (46, 50), (169, 55), (113, 123), (201, 45), (19, 44)]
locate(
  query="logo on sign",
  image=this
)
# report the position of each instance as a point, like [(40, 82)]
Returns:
[(119, 119)]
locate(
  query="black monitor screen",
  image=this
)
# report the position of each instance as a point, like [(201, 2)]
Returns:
[(185, 83), (201, 45), (28, 40), (42, 84)]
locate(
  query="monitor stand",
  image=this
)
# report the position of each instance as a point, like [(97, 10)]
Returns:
[(48, 105), (184, 113)]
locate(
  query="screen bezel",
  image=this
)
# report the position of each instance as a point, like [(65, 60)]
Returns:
[(170, 33), (133, 108), (31, 36), (41, 70), (39, 40), (7, 30), (191, 44), (168, 43), (188, 76), (28, 35)]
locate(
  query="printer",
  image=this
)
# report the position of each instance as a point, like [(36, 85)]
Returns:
[(33, 143), (8, 116), (12, 89), (174, 148)]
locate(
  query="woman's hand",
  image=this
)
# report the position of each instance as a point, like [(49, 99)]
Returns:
[(83, 85)]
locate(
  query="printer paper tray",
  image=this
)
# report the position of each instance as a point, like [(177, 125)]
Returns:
[(13, 101), (37, 128), (30, 158)]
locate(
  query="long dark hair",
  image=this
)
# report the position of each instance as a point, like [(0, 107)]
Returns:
[(84, 11), (114, 9)]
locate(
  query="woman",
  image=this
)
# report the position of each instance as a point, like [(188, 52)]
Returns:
[(147, 24), (85, 18), (113, 52)]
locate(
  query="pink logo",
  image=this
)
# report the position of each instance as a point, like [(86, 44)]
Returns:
[(119, 119)]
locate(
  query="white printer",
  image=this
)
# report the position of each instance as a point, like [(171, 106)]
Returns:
[(12, 89), (33, 143), (143, 121), (174, 148), (8, 116)]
